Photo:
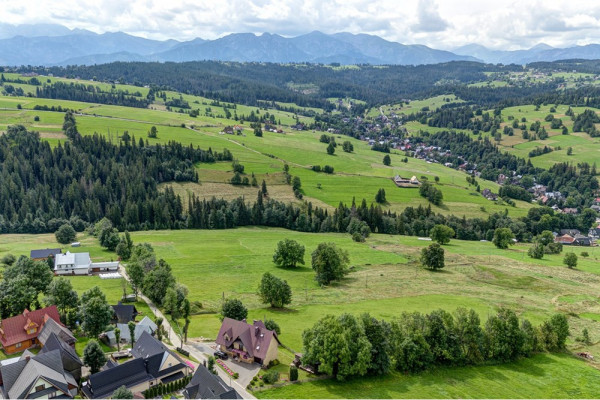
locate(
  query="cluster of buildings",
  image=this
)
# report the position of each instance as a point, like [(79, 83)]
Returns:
[(573, 237), (74, 263), (57, 371)]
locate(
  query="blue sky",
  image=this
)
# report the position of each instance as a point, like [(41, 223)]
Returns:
[(446, 24)]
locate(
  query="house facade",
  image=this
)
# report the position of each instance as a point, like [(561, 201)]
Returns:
[(21, 331), (248, 342)]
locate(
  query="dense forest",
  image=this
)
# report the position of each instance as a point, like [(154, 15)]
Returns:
[(247, 83), (88, 178)]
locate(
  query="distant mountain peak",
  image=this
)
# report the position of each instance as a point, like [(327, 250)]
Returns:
[(48, 44)]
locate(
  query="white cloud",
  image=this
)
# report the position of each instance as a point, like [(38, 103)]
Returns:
[(442, 24), (429, 19)]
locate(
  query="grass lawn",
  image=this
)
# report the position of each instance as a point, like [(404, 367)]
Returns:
[(542, 376), (82, 341)]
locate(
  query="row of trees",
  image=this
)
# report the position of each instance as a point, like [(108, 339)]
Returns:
[(345, 345), (154, 278)]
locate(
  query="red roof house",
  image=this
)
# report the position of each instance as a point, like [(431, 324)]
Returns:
[(564, 239), (248, 342), (21, 331)]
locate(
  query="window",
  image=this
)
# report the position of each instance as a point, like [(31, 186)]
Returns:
[(30, 331), (18, 345), (40, 387)]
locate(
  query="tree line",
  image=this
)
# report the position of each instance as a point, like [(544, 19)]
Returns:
[(89, 94), (345, 346)]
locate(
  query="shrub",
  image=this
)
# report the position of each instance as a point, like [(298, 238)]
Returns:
[(65, 234), (270, 377), (293, 374), (236, 375)]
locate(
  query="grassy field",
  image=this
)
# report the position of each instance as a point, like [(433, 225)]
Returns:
[(542, 376), (385, 278)]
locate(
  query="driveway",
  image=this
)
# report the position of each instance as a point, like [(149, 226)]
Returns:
[(246, 371)]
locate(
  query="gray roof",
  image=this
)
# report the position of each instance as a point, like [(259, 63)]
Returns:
[(206, 385), (104, 383), (79, 260), (68, 354), (149, 356), (51, 326), (44, 253), (124, 312), (19, 378), (147, 346), (145, 325)]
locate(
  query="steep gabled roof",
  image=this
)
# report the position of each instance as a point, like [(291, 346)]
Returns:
[(256, 338), (124, 312), (66, 351), (13, 330), (19, 378), (206, 385), (53, 327)]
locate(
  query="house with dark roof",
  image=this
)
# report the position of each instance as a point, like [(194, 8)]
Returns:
[(40, 376), (21, 331), (70, 360), (43, 254), (124, 313), (581, 240), (132, 374), (248, 342), (153, 364), (206, 385), (53, 327)]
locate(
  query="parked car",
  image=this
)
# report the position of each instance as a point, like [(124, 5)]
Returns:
[(221, 355)]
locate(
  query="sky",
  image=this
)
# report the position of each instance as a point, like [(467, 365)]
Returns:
[(443, 24)]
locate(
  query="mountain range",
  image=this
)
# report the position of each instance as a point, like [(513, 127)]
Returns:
[(49, 44)]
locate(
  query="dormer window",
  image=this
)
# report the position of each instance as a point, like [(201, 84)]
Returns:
[(30, 331)]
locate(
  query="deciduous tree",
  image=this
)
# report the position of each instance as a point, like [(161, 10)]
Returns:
[(329, 262), (93, 356), (289, 253)]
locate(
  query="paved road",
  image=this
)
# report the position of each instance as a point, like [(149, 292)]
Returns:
[(196, 352)]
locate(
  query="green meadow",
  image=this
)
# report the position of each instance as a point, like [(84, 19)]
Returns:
[(358, 175), (551, 376)]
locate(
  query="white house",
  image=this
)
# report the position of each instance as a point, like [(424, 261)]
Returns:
[(72, 263), (81, 264)]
